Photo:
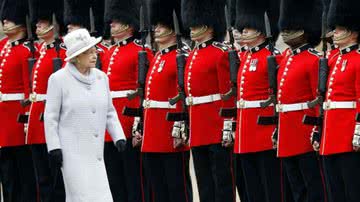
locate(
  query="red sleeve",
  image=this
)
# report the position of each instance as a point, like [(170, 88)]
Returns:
[(223, 73), (357, 87), (313, 78)]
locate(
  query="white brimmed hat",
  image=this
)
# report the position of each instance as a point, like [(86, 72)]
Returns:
[(79, 41)]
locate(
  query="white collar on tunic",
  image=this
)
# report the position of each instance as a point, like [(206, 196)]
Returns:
[(86, 79)]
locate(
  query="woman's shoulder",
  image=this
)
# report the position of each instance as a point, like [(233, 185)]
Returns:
[(58, 75), (99, 73)]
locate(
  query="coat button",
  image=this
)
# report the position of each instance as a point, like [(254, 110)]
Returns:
[(88, 87), (99, 159), (96, 135), (93, 111)]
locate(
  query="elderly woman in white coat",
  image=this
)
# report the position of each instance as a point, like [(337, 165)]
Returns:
[(78, 110)]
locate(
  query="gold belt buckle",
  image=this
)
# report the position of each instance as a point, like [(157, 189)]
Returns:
[(33, 97), (241, 104), (147, 104), (190, 101), (279, 108), (327, 105)]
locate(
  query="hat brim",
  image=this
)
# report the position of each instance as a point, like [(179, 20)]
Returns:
[(76, 53)]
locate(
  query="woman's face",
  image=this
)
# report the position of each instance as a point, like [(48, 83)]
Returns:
[(87, 58)]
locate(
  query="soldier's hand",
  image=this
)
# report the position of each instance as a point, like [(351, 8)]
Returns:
[(227, 144), (56, 158), (136, 139), (26, 128), (121, 145), (356, 142), (274, 138), (178, 143), (315, 140)]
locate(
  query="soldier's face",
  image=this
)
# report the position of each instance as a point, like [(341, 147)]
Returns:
[(343, 37), (73, 27), (163, 34), (119, 29), (43, 28), (250, 36), (87, 59), (201, 33), (10, 27)]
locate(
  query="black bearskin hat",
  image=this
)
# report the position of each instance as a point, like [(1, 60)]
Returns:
[(344, 13), (14, 11), (125, 11), (77, 12)]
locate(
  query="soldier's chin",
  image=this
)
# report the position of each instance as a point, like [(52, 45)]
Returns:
[(10, 29)]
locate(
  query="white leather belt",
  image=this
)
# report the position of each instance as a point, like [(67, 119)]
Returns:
[(121, 93), (147, 104), (244, 104), (37, 97), (328, 105), (291, 107), (11, 97), (202, 99)]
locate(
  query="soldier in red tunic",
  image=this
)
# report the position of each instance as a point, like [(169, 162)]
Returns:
[(253, 144), (16, 166), (206, 78), (340, 141), (166, 164), (300, 25), (49, 49), (124, 170)]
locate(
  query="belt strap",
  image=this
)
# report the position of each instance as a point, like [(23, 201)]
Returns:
[(291, 107), (11, 97), (34, 97), (244, 104), (328, 105), (202, 99), (147, 104), (121, 93)]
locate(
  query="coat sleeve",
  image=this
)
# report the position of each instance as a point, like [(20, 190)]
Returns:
[(223, 74), (113, 125), (357, 89), (52, 113)]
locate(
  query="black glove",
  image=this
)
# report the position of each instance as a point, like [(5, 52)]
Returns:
[(120, 145), (315, 136), (56, 158), (274, 138)]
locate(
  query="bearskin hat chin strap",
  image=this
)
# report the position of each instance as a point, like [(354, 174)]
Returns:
[(47, 30), (122, 29), (203, 29), (11, 28), (291, 35), (343, 36)]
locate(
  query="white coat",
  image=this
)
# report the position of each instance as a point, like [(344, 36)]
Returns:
[(78, 110)]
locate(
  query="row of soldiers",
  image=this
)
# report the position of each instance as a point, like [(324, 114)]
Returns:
[(276, 126)]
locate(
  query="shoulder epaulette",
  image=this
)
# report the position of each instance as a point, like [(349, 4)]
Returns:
[(62, 45), (138, 43), (314, 52), (220, 46), (28, 45)]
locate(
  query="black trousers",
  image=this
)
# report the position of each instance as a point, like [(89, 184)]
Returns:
[(168, 174), (214, 173), (305, 177), (239, 178), (125, 174), (262, 176), (50, 189), (17, 174), (342, 176)]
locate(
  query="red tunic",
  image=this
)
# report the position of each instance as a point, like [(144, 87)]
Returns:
[(161, 85), (121, 65), (253, 85), (14, 78), (297, 83), (343, 85), (207, 73), (42, 70)]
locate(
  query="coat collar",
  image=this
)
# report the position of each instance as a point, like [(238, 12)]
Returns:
[(258, 47), (349, 49), (300, 49), (17, 42), (88, 80), (168, 49), (204, 44), (125, 42)]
